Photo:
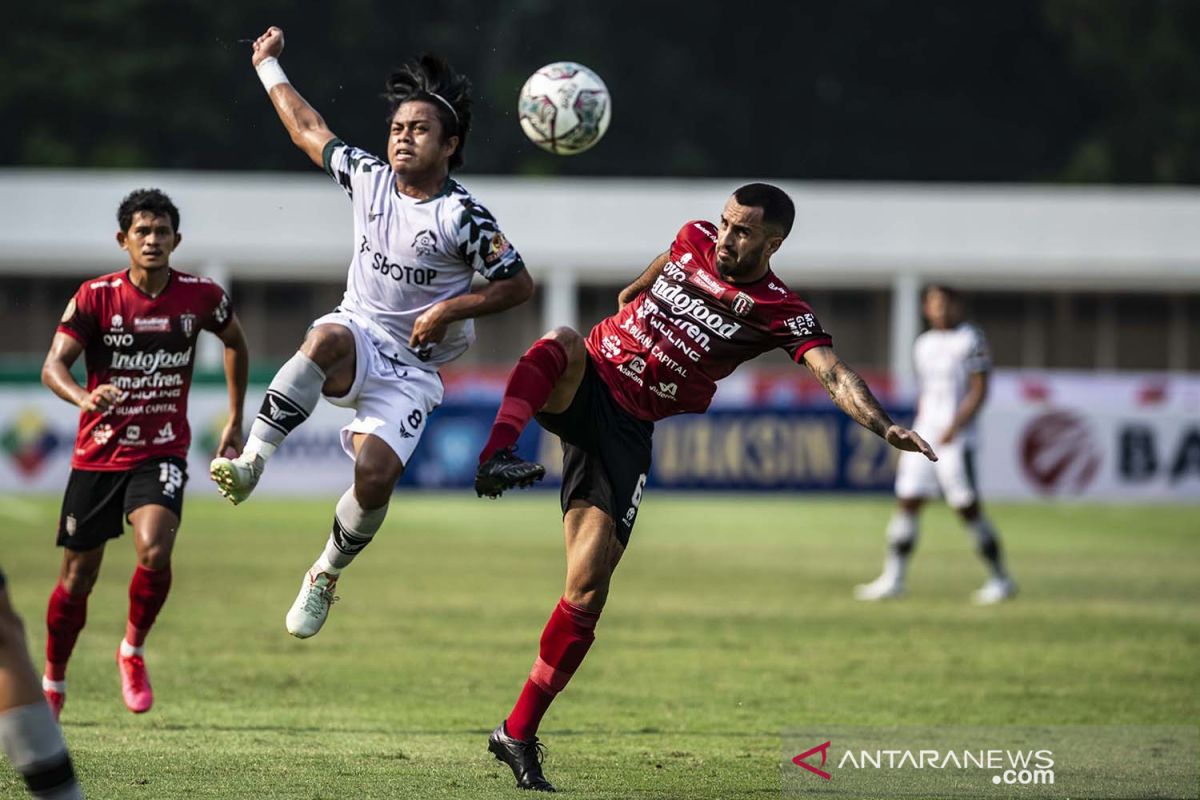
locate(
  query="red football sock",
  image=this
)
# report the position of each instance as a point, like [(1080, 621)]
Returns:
[(565, 641), (65, 618), (147, 593), (529, 387)]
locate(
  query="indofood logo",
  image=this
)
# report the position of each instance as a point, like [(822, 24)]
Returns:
[(1059, 452), (151, 362)]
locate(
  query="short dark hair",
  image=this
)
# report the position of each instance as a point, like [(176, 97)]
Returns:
[(778, 209), (153, 201), (952, 294), (432, 79)]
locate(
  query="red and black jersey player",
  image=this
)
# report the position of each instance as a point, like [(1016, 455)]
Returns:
[(137, 331), (699, 310)]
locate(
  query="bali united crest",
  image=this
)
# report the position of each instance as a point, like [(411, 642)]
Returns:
[(742, 303), (188, 323)]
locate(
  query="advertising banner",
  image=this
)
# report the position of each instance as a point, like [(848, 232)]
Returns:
[(1042, 436)]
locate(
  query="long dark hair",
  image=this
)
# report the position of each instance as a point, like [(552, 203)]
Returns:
[(432, 79)]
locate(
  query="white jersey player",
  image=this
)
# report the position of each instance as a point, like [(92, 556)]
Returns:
[(952, 364), (419, 239)]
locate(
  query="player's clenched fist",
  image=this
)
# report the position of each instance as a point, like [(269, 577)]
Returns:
[(102, 398), (269, 45)]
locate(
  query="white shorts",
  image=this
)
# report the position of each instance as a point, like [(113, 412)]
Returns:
[(952, 475), (393, 400)]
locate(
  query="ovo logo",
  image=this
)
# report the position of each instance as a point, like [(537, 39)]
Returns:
[(823, 749)]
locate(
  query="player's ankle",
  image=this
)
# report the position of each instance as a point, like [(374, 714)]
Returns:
[(322, 564), (257, 447)]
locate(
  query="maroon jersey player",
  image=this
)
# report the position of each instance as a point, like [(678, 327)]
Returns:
[(137, 331), (699, 310)]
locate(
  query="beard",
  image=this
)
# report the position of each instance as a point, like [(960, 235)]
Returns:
[(733, 269)]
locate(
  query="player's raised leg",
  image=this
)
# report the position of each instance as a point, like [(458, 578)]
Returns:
[(66, 615), (545, 378), (356, 519), (593, 552), (29, 735), (902, 531), (324, 363)]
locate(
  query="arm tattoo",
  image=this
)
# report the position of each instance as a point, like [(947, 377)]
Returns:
[(849, 391)]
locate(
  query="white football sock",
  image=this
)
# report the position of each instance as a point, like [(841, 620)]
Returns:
[(902, 537), (353, 529)]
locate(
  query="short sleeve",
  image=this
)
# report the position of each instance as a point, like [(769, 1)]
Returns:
[(979, 355), (484, 247), (79, 317), (222, 311), (799, 330), (697, 237), (346, 164)]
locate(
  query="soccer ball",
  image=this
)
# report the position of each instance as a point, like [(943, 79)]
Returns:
[(564, 108)]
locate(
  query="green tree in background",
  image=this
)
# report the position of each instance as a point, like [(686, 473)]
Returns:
[(1020, 90), (1141, 63)]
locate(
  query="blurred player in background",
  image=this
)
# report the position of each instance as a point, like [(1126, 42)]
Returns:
[(952, 364), (419, 238), (29, 735), (708, 304), (137, 330)]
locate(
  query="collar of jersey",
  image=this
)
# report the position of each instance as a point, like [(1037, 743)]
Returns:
[(136, 288), (447, 187)]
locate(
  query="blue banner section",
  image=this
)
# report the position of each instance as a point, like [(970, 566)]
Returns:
[(803, 449)]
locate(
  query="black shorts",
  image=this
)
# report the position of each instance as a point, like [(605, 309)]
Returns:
[(96, 504), (606, 452)]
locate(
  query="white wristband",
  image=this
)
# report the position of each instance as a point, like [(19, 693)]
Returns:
[(270, 73)]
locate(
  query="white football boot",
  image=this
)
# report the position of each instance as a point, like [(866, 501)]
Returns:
[(308, 613), (996, 590), (236, 477), (885, 587)]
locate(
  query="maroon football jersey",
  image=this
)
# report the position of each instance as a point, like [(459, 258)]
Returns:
[(145, 346), (663, 353)]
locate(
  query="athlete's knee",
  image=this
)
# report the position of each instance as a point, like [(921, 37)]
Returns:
[(969, 512), (328, 345), (570, 340), (155, 556), (588, 596), (79, 573), (587, 588), (375, 480), (909, 505)]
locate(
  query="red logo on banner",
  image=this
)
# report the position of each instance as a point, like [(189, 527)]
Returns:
[(1059, 452), (823, 749)]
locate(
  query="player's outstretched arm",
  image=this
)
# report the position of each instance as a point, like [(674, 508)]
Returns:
[(56, 374), (496, 296), (643, 281), (237, 375), (306, 127), (849, 391)]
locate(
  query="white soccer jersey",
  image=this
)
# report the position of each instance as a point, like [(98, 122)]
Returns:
[(410, 254), (944, 360)]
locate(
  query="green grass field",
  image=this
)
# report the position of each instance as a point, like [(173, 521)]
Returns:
[(730, 620)]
